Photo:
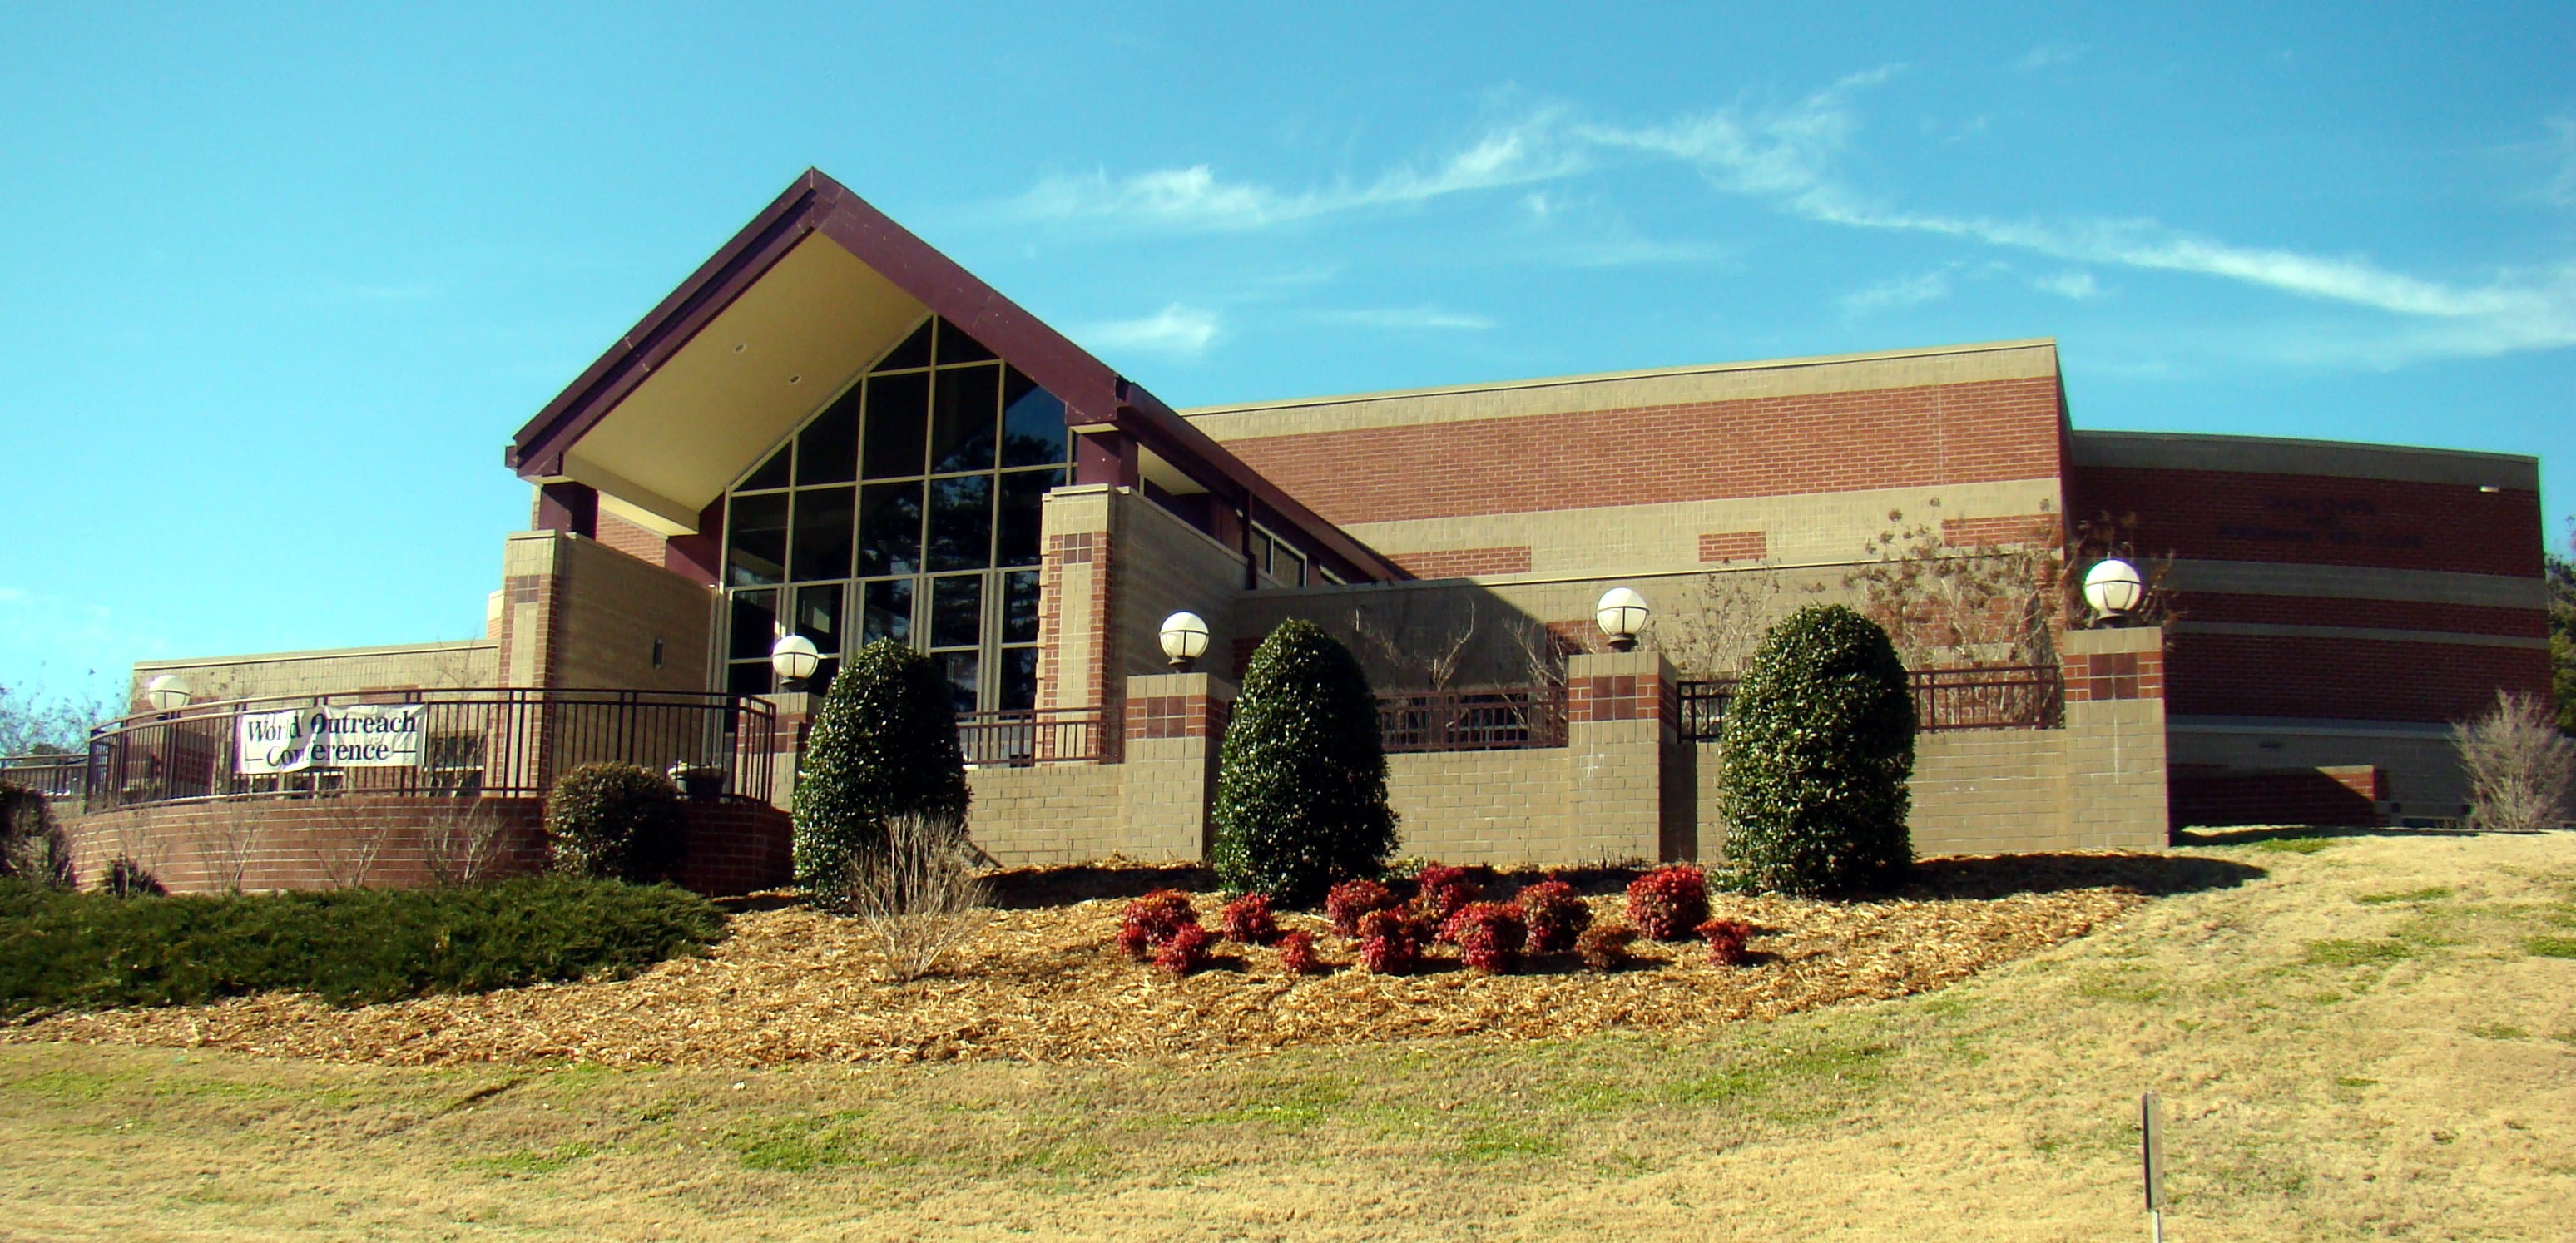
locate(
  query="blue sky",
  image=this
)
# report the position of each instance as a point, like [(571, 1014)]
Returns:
[(276, 284)]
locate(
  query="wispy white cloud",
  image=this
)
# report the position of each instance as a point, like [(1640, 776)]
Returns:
[(1177, 331), (1789, 156), (2049, 54), (2076, 285), (1196, 198), (1901, 292), (1410, 318)]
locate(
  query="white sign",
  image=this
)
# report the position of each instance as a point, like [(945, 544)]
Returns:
[(357, 736)]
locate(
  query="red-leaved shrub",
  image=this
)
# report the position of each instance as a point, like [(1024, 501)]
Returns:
[(1248, 920), (1488, 936), (1391, 942), (1668, 902), (1186, 951), (1348, 902), (1554, 915), (1438, 892), (1604, 947), (1726, 939), (1153, 920), (1297, 953)]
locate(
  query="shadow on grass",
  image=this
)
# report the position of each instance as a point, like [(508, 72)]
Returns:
[(1998, 876), (2254, 834)]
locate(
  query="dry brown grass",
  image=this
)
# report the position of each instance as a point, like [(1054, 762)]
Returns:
[(2373, 1038)]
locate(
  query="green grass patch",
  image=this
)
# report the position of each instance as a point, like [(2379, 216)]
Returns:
[(2432, 893), (2296, 845), (798, 1145), (2356, 953), (2550, 947), (65, 950), (2498, 1031), (529, 1162), (1504, 1143)]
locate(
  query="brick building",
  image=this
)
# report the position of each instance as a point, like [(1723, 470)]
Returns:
[(831, 429)]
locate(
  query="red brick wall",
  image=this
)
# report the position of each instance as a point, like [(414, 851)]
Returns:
[(1982, 431), (1464, 562), (628, 538), (2339, 796), (2343, 679), (2218, 606), (2316, 520), (2000, 530), (1621, 698), (2114, 675), (308, 843), (1734, 545)]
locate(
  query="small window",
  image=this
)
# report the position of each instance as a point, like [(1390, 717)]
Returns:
[(756, 552), (957, 347), (898, 413), (773, 473), (827, 451), (914, 352), (961, 523), (821, 548)]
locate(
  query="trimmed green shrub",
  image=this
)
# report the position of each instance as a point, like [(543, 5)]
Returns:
[(72, 950), (1301, 786), (883, 743), (616, 821), (1819, 740)]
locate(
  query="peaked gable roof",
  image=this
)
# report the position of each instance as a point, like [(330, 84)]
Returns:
[(1095, 396)]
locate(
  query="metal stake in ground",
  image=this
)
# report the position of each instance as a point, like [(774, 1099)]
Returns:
[(2151, 1146)]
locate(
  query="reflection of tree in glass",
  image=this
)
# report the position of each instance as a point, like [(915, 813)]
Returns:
[(961, 523)]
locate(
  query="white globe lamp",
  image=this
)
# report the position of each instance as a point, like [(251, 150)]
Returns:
[(168, 693), (1621, 614), (1185, 639), (2113, 587), (794, 659)]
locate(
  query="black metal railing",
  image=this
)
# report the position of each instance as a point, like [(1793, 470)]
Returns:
[(56, 775), (506, 742), (1023, 737), (1501, 718), (1994, 697)]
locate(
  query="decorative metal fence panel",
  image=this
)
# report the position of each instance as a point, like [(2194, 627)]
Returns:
[(1027, 736), (56, 776), (1997, 697), (508, 742), (1502, 718)]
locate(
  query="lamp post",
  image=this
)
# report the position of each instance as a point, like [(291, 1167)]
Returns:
[(1621, 614), (794, 659), (168, 693), (2113, 588), (1185, 639)]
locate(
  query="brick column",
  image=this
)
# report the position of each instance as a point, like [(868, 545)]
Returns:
[(1632, 793), (1075, 653), (2115, 738), (1174, 724)]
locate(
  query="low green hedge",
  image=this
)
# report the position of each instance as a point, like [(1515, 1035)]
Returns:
[(65, 950)]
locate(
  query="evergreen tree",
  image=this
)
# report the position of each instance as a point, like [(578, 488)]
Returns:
[(2561, 576), (883, 743), (1819, 740), (1301, 785)]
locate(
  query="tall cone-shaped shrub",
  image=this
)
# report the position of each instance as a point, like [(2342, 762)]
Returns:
[(1301, 777), (1819, 739), (883, 743)]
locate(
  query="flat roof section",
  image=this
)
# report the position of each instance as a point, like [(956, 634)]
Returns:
[(1625, 390), (2276, 455)]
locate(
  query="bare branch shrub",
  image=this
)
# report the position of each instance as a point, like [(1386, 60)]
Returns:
[(2521, 769), (1993, 602), (1713, 631), (226, 836), (349, 855), (33, 845), (917, 897), (1413, 640), (460, 839)]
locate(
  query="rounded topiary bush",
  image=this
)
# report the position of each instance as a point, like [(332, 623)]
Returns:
[(1819, 741), (883, 743), (1301, 785), (615, 822)]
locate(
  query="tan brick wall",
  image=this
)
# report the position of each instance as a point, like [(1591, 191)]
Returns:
[(611, 608), (402, 667), (1049, 814)]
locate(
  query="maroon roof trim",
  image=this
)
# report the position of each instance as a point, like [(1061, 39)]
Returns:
[(1092, 392)]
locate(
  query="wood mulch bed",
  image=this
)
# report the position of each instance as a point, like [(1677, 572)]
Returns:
[(1041, 982)]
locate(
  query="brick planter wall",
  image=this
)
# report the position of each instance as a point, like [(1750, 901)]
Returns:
[(387, 842)]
